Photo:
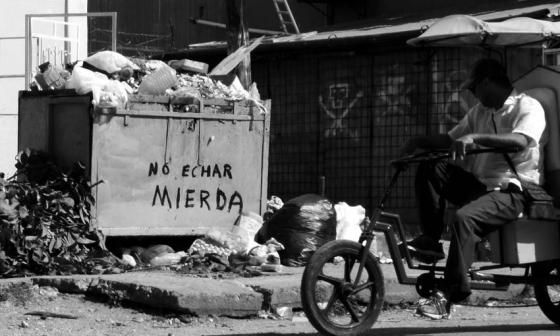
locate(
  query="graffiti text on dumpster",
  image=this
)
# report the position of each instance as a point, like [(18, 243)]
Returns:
[(188, 197)]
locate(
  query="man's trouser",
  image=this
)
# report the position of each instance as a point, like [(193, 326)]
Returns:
[(479, 213)]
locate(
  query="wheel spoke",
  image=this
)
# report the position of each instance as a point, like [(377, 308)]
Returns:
[(351, 310), (332, 300), (362, 287), (348, 265)]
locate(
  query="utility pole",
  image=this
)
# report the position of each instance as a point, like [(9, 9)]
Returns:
[(238, 36)]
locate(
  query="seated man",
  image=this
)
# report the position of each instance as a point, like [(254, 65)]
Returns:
[(483, 187)]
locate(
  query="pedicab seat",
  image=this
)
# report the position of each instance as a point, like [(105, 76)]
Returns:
[(528, 240)]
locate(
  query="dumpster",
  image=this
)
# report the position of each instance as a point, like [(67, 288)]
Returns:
[(159, 170)]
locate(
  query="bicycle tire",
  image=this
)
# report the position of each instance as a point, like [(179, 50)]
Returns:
[(548, 296), (344, 301)]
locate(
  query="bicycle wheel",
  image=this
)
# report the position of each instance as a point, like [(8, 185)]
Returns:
[(333, 301), (547, 291)]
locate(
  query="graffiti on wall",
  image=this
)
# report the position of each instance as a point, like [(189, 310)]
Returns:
[(394, 104), (337, 106), (397, 86), (394, 94)]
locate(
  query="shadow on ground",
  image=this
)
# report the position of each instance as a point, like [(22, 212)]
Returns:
[(483, 330)]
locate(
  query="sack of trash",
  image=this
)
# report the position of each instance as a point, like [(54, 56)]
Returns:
[(302, 225), (109, 62), (348, 221), (241, 237), (158, 81), (106, 92), (155, 255), (204, 246)]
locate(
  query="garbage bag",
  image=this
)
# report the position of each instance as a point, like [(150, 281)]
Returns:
[(348, 221), (105, 92), (158, 81), (109, 62), (302, 225)]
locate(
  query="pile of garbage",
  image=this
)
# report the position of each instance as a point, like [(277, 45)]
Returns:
[(46, 228), (233, 250), (112, 78), (45, 225)]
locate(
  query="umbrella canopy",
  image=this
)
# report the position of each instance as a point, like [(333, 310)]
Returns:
[(465, 30)]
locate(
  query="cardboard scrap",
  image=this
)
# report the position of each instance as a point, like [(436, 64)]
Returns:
[(233, 59)]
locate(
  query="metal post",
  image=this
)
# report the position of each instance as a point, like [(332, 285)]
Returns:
[(27, 50), (322, 185), (66, 43), (114, 31)]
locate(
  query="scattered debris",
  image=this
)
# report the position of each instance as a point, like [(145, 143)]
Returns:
[(46, 314)]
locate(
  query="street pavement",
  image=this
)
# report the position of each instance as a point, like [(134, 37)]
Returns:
[(240, 296)]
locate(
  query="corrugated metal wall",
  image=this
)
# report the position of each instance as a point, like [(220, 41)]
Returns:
[(344, 116)]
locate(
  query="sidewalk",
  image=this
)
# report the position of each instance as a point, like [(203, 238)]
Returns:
[(227, 297)]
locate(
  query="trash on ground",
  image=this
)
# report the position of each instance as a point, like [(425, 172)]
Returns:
[(348, 220), (302, 225), (46, 314)]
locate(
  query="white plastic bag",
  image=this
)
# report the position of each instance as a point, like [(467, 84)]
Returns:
[(117, 91), (84, 80), (110, 61), (348, 220), (106, 92), (167, 259)]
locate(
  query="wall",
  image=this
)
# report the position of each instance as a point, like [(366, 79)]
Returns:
[(12, 65)]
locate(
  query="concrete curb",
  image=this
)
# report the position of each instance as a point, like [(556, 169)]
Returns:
[(237, 297), (200, 296)]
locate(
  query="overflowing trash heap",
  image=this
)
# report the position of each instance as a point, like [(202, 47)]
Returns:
[(45, 213), (112, 78), (46, 228)]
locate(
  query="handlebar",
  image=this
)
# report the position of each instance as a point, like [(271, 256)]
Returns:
[(440, 154)]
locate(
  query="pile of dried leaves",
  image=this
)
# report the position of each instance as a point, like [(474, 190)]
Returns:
[(45, 222)]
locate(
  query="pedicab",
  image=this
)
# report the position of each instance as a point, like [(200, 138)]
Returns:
[(347, 300)]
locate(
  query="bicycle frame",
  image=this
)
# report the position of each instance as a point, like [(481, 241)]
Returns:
[(386, 223)]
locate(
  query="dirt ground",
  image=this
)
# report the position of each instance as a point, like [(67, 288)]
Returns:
[(29, 310)]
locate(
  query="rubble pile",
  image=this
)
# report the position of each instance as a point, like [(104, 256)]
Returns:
[(205, 87)]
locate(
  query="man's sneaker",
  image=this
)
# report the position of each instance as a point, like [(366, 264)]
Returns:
[(437, 307), (426, 249)]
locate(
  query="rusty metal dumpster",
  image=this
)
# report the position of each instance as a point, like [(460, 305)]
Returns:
[(162, 172)]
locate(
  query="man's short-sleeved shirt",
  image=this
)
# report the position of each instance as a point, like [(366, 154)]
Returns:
[(519, 114)]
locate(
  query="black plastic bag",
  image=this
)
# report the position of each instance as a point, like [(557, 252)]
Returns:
[(302, 225)]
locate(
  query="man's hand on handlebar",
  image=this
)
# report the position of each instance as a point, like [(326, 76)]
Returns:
[(459, 147)]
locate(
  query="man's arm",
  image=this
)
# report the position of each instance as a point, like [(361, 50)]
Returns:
[(459, 147)]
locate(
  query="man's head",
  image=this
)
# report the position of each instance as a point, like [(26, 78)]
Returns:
[(489, 82)]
